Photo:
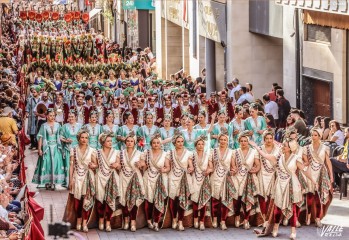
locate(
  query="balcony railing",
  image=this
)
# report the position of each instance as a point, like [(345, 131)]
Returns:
[(329, 6)]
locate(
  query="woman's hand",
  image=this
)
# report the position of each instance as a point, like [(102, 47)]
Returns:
[(260, 132), (236, 132), (92, 166), (71, 184), (233, 170), (190, 170), (253, 144), (115, 165), (40, 152), (207, 172)]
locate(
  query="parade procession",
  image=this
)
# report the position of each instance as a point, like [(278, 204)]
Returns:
[(132, 149)]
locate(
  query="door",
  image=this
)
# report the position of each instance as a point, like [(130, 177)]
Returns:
[(322, 98)]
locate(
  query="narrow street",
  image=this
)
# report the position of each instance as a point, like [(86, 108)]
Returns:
[(337, 215)]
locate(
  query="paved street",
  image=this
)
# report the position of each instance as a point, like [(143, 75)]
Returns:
[(337, 215)]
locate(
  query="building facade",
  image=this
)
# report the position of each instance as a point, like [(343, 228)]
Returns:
[(216, 35), (318, 51)]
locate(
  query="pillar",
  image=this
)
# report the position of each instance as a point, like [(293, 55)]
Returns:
[(210, 65)]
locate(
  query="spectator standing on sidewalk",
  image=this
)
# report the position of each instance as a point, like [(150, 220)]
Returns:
[(284, 107), (271, 107)]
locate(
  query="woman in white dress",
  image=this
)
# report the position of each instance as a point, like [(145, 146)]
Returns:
[(201, 190), (221, 182), (288, 192), (81, 178), (155, 182), (107, 180), (267, 173), (179, 181), (320, 168), (246, 166), (131, 181)]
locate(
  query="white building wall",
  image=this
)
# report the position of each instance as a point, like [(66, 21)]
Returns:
[(330, 58), (289, 55), (252, 58)]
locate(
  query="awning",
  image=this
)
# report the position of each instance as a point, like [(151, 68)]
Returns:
[(94, 11)]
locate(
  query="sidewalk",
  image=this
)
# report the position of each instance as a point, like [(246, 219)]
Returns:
[(338, 215)]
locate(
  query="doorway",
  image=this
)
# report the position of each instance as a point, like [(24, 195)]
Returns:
[(317, 98)]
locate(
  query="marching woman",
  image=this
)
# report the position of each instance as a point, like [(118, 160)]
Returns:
[(131, 181), (221, 184), (179, 180), (111, 127), (236, 127), (126, 129), (155, 182), (81, 178), (287, 191), (50, 168), (146, 131), (221, 124), (190, 134), (202, 121), (68, 135), (320, 168), (201, 191), (246, 161), (166, 133), (107, 180), (94, 130), (255, 124), (267, 173)]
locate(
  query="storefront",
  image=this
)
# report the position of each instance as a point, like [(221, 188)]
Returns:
[(135, 23), (213, 28)]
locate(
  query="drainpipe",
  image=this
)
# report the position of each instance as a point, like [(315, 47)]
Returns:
[(298, 60), (347, 77)]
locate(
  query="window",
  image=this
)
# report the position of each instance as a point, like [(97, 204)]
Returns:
[(316, 33)]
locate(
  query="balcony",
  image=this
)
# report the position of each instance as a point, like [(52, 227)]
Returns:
[(328, 6)]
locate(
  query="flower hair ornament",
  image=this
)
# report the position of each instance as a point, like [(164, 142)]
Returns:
[(155, 136), (83, 130), (93, 112), (177, 134), (103, 137), (201, 138), (318, 131), (167, 117), (245, 134), (191, 116), (222, 111), (131, 135), (268, 132), (224, 133)]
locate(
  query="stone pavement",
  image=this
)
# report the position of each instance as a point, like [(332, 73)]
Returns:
[(338, 214)]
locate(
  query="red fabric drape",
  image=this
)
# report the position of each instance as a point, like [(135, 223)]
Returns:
[(37, 212)]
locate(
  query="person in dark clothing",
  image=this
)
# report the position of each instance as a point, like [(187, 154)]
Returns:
[(299, 124), (284, 108), (203, 83)]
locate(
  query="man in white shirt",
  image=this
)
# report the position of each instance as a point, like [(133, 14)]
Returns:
[(244, 96), (149, 53), (271, 107), (235, 91)]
